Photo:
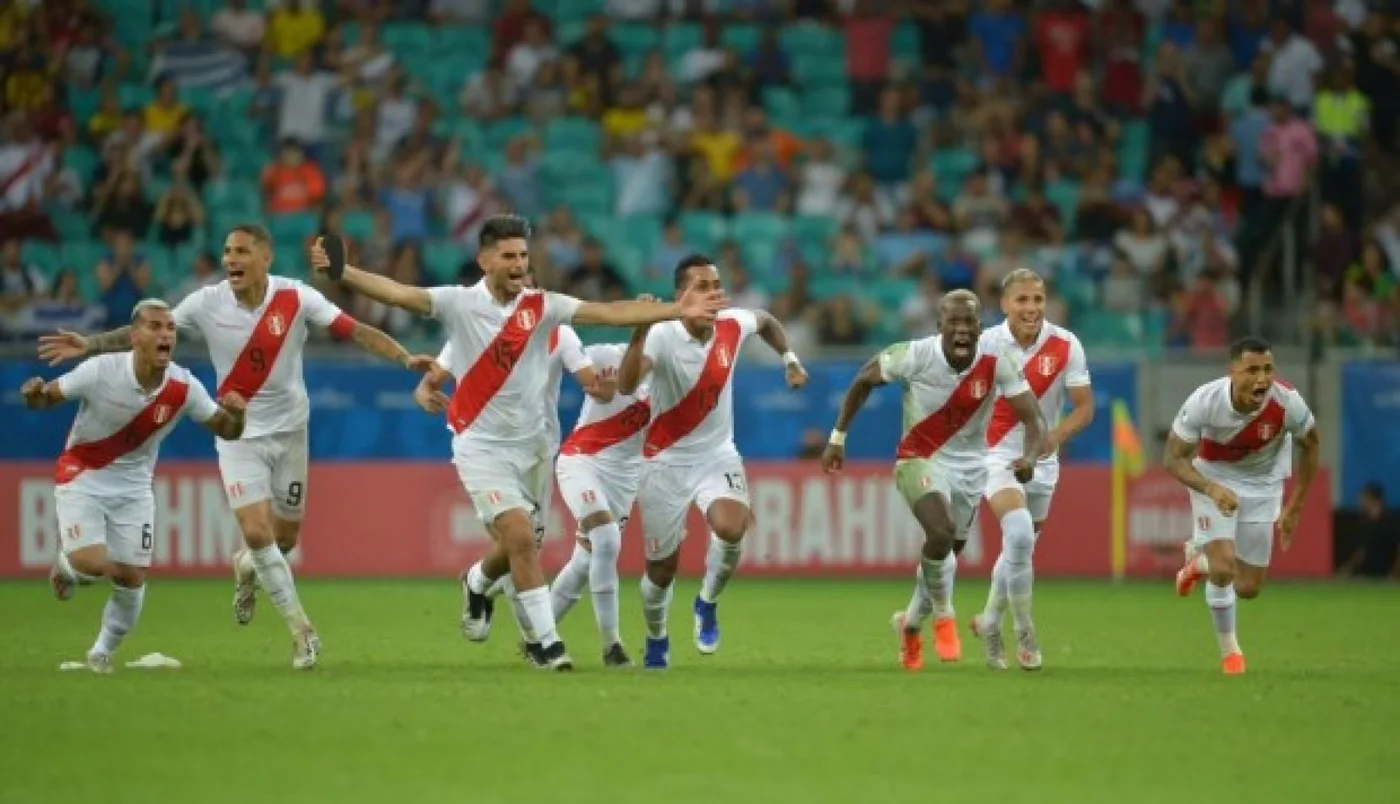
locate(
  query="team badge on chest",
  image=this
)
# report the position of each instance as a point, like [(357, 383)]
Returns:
[(977, 389), (276, 324), (723, 356), (161, 414), (1046, 365), (525, 319)]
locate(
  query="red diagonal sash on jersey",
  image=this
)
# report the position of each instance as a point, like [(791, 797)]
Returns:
[(1254, 436), (929, 435), (1042, 369), (678, 422), (595, 437), (480, 384), (259, 355), (97, 454)]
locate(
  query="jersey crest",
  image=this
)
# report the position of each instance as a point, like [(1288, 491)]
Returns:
[(276, 324), (526, 320), (723, 356), (161, 414), (977, 388), (1047, 365)]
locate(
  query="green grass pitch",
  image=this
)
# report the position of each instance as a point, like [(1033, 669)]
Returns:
[(804, 703)]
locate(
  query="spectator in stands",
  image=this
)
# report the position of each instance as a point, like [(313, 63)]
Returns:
[(842, 323), (1009, 258), (999, 36), (295, 27), (979, 213), (509, 27), (668, 252), (742, 292), (489, 95), (869, 32), (121, 207), (26, 164), (594, 277), (634, 10), (596, 54), (1208, 64), (1340, 115), (62, 308), (705, 59), (1202, 314), (519, 178), (1170, 107), (865, 209), (293, 183), (203, 273), (194, 59), (26, 76), (123, 279), (239, 26), (1123, 290), (534, 49), (192, 154), (643, 176), (1061, 40), (1378, 543), (563, 240), (1038, 219), (408, 198), (627, 117), (1288, 149), (1295, 65), (367, 59), (890, 143), (405, 266), (918, 313), (88, 57), (306, 94), (909, 249), (468, 198), (179, 216), (1141, 245), (762, 186), (163, 114), (820, 179), (20, 282), (769, 63), (1374, 55)]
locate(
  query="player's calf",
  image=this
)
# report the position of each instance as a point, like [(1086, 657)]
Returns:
[(729, 520), (658, 587), (82, 567), (119, 616), (274, 574), (518, 541)]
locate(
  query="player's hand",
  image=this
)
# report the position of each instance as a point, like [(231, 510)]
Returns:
[(702, 305), (833, 458), (1050, 445), (233, 403), (32, 391), (62, 345), (423, 364), (1286, 525), (430, 399), (796, 375), (1023, 469), (1223, 498), (320, 261)]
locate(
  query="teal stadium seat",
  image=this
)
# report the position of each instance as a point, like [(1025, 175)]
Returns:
[(766, 227), (443, 259), (704, 230), (287, 227), (573, 134), (452, 40), (357, 224), (741, 38), (234, 196), (403, 38), (634, 39), (44, 256)]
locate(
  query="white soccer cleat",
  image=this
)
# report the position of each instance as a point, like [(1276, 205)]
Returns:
[(245, 587), (100, 663), (477, 611), (1028, 649), (306, 649), (990, 633)]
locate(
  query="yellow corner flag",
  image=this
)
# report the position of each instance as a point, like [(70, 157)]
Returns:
[(1128, 462)]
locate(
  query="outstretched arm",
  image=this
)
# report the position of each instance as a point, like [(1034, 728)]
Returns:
[(635, 364), (66, 345), (386, 291), (867, 379), (642, 313), (39, 395), (380, 344)]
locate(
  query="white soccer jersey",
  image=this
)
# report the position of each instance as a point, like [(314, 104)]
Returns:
[(115, 438), (1253, 448), (566, 354), (257, 353), (500, 359), (610, 431), (692, 388), (1053, 363), (946, 411)]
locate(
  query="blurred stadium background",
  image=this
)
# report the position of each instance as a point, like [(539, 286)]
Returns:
[(1181, 172)]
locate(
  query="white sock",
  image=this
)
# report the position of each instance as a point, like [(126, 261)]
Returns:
[(933, 578), (656, 605), (1017, 547), (950, 575), (1221, 600), (498, 586), (602, 579), (995, 609), (537, 615), (568, 585), (275, 575), (243, 563), (72, 575), (119, 616), (477, 580), (920, 604), (720, 561), (505, 587)]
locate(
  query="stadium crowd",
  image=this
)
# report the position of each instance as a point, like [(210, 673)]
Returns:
[(847, 160)]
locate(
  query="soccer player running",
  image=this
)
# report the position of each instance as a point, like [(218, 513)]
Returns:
[(689, 448), (256, 326), (1053, 362), (1231, 447), (950, 382), (128, 403), (499, 329)]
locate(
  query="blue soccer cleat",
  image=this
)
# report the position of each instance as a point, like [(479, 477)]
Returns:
[(658, 655), (706, 626)]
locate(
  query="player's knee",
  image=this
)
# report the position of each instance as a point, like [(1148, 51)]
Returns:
[(729, 522), (606, 542), (662, 572), (1222, 572), (1018, 535), (128, 576), (517, 533), (1247, 588), (257, 531), (594, 520)]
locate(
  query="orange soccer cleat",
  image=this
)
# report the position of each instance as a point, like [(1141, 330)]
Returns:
[(911, 646), (1233, 664), (1190, 574), (945, 639)]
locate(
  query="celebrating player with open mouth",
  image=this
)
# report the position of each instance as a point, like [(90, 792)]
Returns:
[(106, 507), (499, 330), (689, 449), (949, 382), (256, 326), (1231, 446)]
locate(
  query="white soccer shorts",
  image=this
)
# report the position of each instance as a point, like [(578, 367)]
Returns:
[(666, 492), (590, 486), (1039, 492), (268, 467), (1251, 528), (124, 525), (960, 488), (500, 479)]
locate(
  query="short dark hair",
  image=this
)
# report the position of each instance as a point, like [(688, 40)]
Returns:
[(502, 227), (695, 260), (1249, 344), (256, 231)]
